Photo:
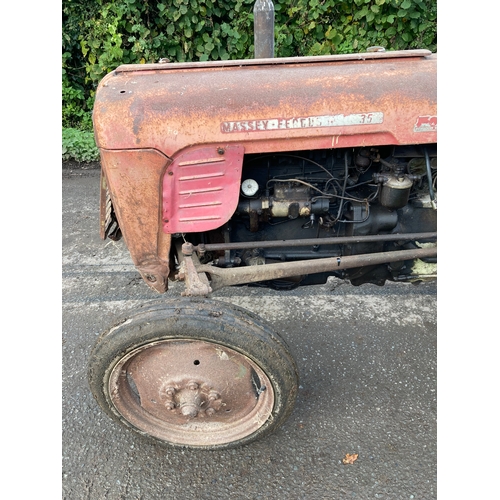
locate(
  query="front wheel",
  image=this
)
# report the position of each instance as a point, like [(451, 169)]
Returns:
[(199, 374)]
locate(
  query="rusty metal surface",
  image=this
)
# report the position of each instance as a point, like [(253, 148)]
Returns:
[(361, 56), (196, 284), (294, 105), (250, 274), (134, 181), (192, 393)]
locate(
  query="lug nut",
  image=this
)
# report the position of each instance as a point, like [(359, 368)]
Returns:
[(213, 395)]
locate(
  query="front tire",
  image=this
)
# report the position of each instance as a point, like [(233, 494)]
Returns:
[(194, 373)]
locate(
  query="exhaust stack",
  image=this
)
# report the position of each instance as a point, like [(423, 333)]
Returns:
[(263, 21)]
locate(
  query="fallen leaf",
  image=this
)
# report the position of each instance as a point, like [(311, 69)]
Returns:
[(350, 459)]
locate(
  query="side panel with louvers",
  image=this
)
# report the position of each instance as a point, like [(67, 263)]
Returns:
[(201, 188)]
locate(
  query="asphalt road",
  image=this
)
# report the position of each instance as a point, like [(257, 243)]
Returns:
[(367, 362)]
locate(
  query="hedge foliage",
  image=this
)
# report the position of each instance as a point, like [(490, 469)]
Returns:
[(99, 35), (79, 145)]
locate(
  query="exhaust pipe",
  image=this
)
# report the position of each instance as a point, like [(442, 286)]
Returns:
[(263, 34)]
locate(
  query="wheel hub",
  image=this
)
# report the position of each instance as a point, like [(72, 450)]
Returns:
[(191, 392), (191, 399)]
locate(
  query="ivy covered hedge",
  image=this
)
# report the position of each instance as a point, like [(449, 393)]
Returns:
[(99, 35)]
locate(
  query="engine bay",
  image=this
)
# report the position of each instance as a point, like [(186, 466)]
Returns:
[(320, 195)]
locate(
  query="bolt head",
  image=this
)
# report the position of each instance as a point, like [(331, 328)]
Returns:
[(213, 396)]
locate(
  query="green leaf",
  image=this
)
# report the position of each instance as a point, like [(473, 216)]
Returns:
[(406, 4), (361, 13), (331, 33)]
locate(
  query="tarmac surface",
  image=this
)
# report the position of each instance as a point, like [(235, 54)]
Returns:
[(367, 363)]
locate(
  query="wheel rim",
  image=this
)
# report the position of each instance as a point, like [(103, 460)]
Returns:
[(191, 392)]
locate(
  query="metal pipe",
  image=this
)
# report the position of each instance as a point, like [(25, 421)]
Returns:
[(339, 240), (429, 176), (263, 21), (250, 274)]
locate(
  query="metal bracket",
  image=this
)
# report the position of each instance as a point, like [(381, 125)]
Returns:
[(197, 284)]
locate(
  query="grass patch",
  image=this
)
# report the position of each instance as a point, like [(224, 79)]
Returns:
[(79, 145)]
